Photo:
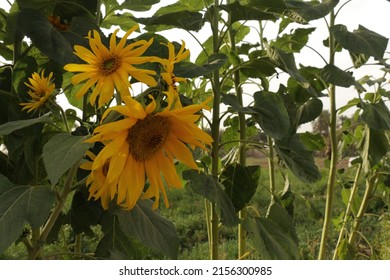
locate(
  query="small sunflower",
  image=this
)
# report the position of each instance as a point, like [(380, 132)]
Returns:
[(143, 145), (109, 68), (41, 88), (169, 77)]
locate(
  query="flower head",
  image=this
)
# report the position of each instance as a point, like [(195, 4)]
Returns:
[(143, 145), (109, 68), (169, 77), (41, 88)]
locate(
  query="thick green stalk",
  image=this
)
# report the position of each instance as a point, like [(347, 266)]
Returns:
[(349, 208), (242, 145), (334, 152), (371, 183), (214, 221), (36, 251)]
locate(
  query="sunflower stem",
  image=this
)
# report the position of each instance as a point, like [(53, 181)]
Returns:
[(242, 145), (334, 151), (37, 250), (214, 221)]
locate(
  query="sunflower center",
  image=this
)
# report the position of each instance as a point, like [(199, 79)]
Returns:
[(147, 136), (110, 65)]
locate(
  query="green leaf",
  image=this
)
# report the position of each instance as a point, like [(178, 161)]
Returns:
[(206, 186), (294, 41), (191, 70), (44, 36), (275, 5), (334, 75), (346, 251), (180, 6), (138, 5), (314, 142), (376, 115), (186, 20), (362, 40), (274, 237), (286, 62), (310, 110), (124, 21), (12, 126), (358, 59), (374, 146), (298, 158), (271, 114), (150, 228), (115, 244), (232, 101), (258, 68), (240, 183), (306, 11), (21, 205), (239, 12), (84, 212), (61, 152)]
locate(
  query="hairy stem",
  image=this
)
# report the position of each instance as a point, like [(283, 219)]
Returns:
[(334, 152)]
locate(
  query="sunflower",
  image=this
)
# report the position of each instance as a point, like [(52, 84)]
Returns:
[(169, 77), (41, 88), (143, 145), (109, 68)]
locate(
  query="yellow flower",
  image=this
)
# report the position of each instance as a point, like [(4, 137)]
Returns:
[(143, 145), (41, 88), (169, 77), (109, 68)]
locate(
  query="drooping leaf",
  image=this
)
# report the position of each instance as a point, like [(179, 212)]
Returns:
[(294, 41), (240, 183), (124, 20), (258, 68), (345, 251), (313, 142), (44, 36), (206, 186), (191, 70), (362, 40), (116, 244), (239, 12), (375, 145), (61, 152), (376, 115), (271, 114), (274, 237), (150, 228), (298, 158), (186, 20), (304, 12), (12, 126), (19, 206), (181, 5), (310, 110), (138, 5), (334, 75), (232, 101)]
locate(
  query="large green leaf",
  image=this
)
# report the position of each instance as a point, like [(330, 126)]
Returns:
[(240, 183), (294, 41), (298, 158), (61, 152), (12, 126), (257, 68), (274, 237), (313, 142), (361, 40), (303, 12), (309, 111), (138, 5), (376, 115), (181, 5), (374, 146), (186, 20), (239, 12), (191, 70), (334, 75), (232, 101), (124, 20), (206, 186), (44, 36), (116, 244), (150, 228), (271, 114), (21, 205)]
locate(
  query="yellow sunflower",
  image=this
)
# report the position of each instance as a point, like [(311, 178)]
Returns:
[(109, 68), (143, 145), (169, 77), (41, 88)]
